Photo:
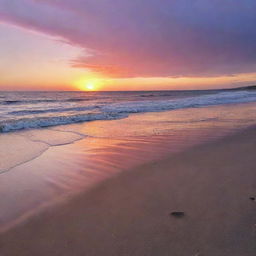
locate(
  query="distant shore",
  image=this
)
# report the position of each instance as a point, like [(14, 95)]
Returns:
[(213, 185)]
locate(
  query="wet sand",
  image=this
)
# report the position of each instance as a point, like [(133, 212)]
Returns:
[(129, 214), (40, 167)]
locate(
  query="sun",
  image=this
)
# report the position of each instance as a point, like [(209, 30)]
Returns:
[(89, 86)]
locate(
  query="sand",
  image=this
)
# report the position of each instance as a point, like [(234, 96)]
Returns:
[(129, 214)]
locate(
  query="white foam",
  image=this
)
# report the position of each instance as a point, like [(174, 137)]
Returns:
[(15, 149), (37, 122)]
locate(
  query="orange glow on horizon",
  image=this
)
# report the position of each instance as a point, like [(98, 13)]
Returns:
[(95, 82), (89, 84), (85, 81)]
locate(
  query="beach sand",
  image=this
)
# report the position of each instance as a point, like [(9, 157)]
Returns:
[(129, 214)]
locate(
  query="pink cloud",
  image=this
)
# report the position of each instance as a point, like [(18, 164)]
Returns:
[(146, 37)]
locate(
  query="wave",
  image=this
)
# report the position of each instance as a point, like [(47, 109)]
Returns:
[(109, 111), (21, 102), (40, 122), (191, 102), (51, 110), (76, 100)]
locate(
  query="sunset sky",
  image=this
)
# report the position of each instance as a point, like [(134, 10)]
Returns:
[(127, 44)]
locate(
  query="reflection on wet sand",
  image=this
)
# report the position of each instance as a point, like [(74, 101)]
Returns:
[(104, 148)]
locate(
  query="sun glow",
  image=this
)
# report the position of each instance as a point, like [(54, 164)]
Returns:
[(92, 84)]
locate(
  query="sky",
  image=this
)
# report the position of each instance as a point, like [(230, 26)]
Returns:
[(127, 45)]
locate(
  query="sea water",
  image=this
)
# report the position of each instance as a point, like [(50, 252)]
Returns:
[(23, 110)]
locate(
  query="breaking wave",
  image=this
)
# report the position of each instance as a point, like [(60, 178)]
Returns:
[(24, 118)]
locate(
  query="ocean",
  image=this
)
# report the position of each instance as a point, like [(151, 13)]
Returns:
[(24, 110)]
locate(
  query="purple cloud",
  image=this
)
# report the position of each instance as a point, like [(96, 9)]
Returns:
[(146, 37)]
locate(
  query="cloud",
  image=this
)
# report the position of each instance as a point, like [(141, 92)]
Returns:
[(147, 37)]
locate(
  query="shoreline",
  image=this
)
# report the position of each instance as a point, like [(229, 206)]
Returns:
[(107, 148), (129, 214), (43, 138)]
